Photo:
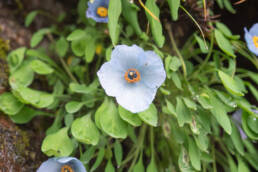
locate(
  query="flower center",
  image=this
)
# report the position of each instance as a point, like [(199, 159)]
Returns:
[(255, 40), (132, 75), (66, 168), (102, 11)]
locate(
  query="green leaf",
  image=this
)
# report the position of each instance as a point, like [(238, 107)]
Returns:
[(9, 104), (79, 46), (224, 29), (24, 115), (242, 166), (118, 153), (30, 17), (90, 49), (139, 165), (129, 12), (201, 44), (62, 46), (230, 84), (36, 98), (220, 114), (73, 106), (109, 167), (183, 161), (183, 113), (88, 155), (114, 11), (15, 58), (129, 117), (247, 130), (171, 108), (194, 154), (68, 120), (111, 123), (80, 88), (228, 6), (176, 80), (202, 141), (224, 44), (152, 166), (175, 63), (252, 123), (189, 103), (57, 144), (22, 76), (40, 67), (76, 35), (99, 159), (174, 6), (84, 130), (156, 27), (236, 139), (150, 116), (100, 111), (38, 36), (205, 101), (253, 90)]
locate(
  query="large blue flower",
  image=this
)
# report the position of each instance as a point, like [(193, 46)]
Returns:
[(62, 164), (98, 10), (132, 76), (251, 38)]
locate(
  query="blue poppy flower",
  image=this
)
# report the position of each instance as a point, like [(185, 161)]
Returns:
[(98, 10), (251, 38), (62, 164), (132, 76)]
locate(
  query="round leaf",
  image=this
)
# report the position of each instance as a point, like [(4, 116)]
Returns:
[(9, 104), (150, 116), (129, 117)]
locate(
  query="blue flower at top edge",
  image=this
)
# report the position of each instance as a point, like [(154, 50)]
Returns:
[(62, 164), (132, 76), (251, 38), (97, 10)]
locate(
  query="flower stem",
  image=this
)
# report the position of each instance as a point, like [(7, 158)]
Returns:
[(173, 42)]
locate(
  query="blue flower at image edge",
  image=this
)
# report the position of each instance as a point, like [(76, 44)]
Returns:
[(251, 38), (62, 164), (98, 10), (132, 76)]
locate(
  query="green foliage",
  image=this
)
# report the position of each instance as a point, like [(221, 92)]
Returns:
[(190, 116)]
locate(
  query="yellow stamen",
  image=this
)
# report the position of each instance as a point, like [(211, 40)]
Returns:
[(66, 168), (130, 73), (255, 40), (98, 49), (102, 11)]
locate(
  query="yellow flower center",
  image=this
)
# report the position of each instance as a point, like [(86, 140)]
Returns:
[(255, 40), (132, 76), (66, 168), (102, 11)]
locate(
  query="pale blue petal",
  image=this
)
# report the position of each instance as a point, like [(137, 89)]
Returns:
[(237, 119), (111, 78), (73, 162), (51, 165), (250, 43), (92, 10), (128, 56), (136, 97), (254, 30), (152, 72)]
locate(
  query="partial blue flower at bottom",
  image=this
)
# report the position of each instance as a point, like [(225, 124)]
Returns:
[(251, 38), (62, 164), (98, 10), (132, 76)]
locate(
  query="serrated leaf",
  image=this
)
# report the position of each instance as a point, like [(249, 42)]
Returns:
[(84, 130), (150, 116)]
